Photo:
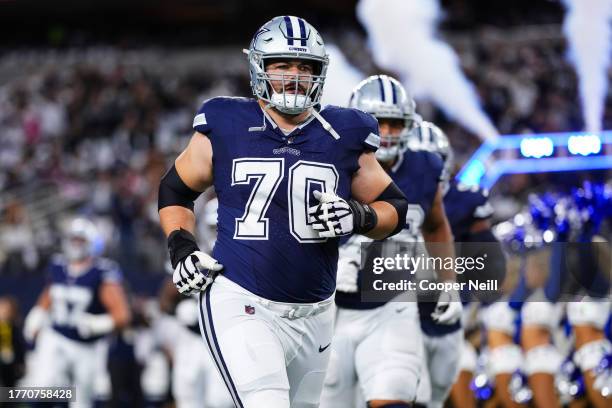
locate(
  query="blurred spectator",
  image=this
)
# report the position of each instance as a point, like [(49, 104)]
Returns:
[(17, 247), (12, 346)]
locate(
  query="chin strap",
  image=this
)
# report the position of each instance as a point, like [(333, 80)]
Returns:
[(263, 125), (325, 124)]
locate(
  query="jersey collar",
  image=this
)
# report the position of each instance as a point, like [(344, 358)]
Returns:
[(298, 127)]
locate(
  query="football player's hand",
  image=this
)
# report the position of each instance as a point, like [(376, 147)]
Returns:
[(195, 272), (346, 279), (448, 308), (90, 325), (332, 217), (34, 322)]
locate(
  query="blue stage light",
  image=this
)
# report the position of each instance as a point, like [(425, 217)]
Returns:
[(535, 155)]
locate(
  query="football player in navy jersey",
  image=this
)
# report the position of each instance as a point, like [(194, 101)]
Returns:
[(290, 180), (468, 212), (379, 343), (83, 301)]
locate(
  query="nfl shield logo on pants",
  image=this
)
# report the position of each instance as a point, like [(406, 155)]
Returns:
[(248, 309)]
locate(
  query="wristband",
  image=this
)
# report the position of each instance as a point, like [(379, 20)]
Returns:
[(364, 217), (181, 243)]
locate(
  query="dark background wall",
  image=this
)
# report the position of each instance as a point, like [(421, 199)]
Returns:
[(205, 22)]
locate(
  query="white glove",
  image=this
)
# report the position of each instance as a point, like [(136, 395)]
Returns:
[(332, 217), (346, 279), (90, 325), (35, 320), (195, 272), (448, 308)]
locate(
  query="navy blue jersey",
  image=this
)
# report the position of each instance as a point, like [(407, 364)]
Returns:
[(71, 296), (265, 179), (417, 174), (464, 205)]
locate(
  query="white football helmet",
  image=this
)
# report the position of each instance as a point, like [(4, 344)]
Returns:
[(385, 98), (80, 239), (287, 37), (427, 136)]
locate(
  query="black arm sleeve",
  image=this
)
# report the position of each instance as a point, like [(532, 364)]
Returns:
[(394, 196), (173, 191)]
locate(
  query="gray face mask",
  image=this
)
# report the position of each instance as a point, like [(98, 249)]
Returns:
[(75, 250)]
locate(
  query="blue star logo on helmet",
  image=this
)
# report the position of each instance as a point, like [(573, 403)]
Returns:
[(261, 31)]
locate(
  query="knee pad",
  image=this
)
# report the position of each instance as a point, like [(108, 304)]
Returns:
[(467, 361), (589, 355), (505, 359), (542, 359), (499, 316), (589, 312), (544, 314), (102, 386), (438, 396), (271, 398), (399, 384), (155, 378)]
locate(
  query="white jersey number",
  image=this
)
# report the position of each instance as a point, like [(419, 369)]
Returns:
[(304, 177), (414, 219), (268, 173), (68, 303), (405, 241)]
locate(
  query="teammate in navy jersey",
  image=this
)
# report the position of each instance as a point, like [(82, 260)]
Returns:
[(376, 342), (290, 180), (83, 301), (468, 212)]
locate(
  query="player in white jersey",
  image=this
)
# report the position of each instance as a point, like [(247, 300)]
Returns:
[(377, 345), (290, 180), (83, 302), (195, 381)]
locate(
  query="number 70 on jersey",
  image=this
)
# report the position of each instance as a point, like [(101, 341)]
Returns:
[(267, 174)]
